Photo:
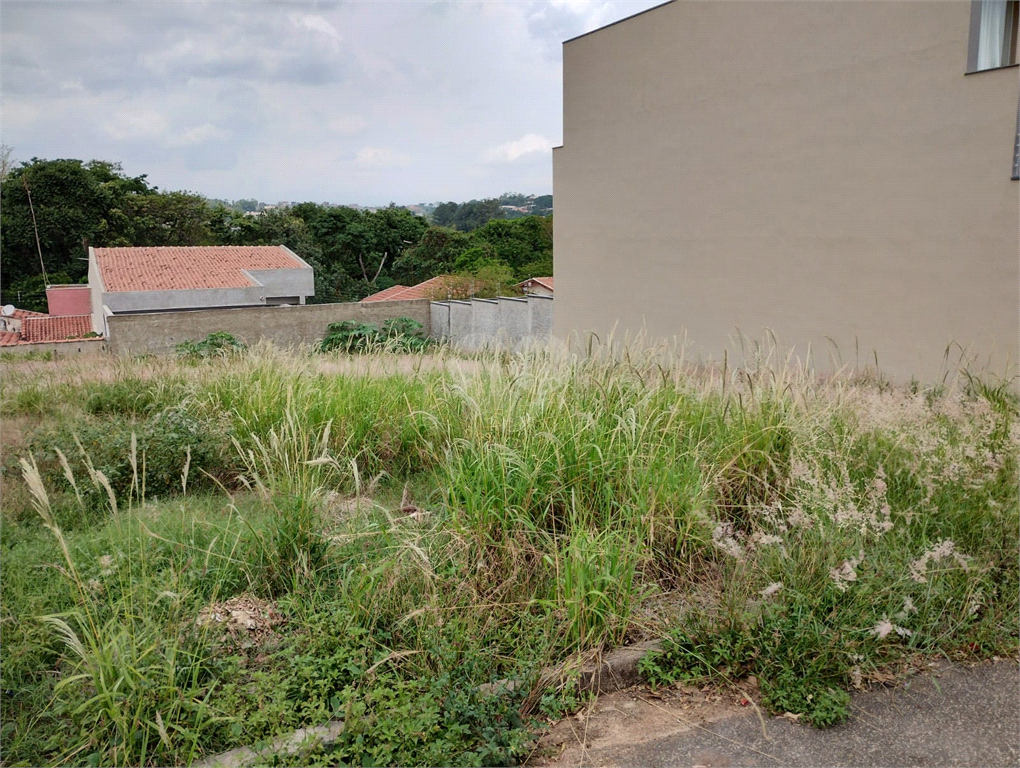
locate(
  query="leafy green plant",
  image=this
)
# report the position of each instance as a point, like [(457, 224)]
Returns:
[(162, 454), (217, 344), (398, 334)]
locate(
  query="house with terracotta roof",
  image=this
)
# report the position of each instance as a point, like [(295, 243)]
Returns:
[(10, 321), (537, 286), (167, 279), (38, 329), (439, 288)]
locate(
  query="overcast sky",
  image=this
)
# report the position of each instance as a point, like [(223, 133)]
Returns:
[(346, 102)]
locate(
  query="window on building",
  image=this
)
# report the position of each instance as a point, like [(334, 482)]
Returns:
[(993, 34)]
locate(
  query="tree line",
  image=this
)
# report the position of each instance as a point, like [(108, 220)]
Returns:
[(73, 205)]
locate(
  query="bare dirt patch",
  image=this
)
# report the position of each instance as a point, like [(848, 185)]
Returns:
[(244, 620), (633, 715)]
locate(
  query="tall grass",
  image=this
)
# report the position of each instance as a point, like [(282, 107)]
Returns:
[(429, 518)]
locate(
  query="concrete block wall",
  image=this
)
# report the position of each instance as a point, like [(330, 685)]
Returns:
[(514, 320), (484, 323), (540, 309), (59, 348), (461, 313), (160, 332), (440, 318), (506, 322)]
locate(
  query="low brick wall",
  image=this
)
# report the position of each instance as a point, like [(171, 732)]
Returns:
[(160, 332)]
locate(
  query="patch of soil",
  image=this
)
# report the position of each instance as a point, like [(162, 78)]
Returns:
[(243, 620), (621, 719)]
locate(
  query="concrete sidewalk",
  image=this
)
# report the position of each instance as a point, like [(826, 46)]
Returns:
[(951, 716)]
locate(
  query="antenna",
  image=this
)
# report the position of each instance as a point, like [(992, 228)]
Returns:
[(8, 310)]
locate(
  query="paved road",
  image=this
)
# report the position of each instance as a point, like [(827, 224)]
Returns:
[(955, 717)]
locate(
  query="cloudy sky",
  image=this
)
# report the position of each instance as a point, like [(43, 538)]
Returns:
[(346, 102)]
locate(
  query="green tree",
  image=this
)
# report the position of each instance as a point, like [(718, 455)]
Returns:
[(435, 253), (444, 214), (169, 218), (75, 204), (494, 278)]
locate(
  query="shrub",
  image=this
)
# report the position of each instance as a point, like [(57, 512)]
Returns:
[(217, 344), (168, 446), (398, 334)]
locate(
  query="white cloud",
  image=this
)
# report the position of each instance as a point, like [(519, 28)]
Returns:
[(200, 134), (512, 150), (318, 24), (281, 100), (594, 12), (380, 157), (348, 124), (129, 124)]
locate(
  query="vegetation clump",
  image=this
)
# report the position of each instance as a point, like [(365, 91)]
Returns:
[(216, 344), (398, 334), (417, 529)]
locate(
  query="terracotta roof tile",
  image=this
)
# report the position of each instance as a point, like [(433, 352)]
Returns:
[(173, 269), (21, 314), (545, 282), (10, 338), (436, 288), (37, 330), (386, 293)]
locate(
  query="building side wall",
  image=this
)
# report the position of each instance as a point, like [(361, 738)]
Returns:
[(821, 170), (67, 300), (161, 332), (285, 282), (199, 298), (96, 291)]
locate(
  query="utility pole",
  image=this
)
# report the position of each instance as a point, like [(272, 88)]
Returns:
[(46, 280)]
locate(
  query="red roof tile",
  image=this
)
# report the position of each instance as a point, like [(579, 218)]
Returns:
[(21, 314), (174, 269), (545, 282), (386, 293), (437, 288), (10, 338), (37, 330)]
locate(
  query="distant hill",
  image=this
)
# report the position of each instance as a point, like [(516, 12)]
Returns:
[(465, 216)]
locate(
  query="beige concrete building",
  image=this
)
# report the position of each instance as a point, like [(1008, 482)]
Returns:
[(826, 170)]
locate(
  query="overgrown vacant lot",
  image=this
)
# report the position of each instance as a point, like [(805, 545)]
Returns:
[(202, 555)]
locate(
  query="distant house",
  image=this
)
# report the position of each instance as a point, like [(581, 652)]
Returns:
[(11, 320), (438, 288), (537, 286), (69, 318), (134, 280), (46, 329)]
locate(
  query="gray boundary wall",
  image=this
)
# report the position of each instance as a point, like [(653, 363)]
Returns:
[(484, 323), (506, 322), (461, 313), (440, 316), (514, 320), (70, 348), (160, 332), (540, 309)]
